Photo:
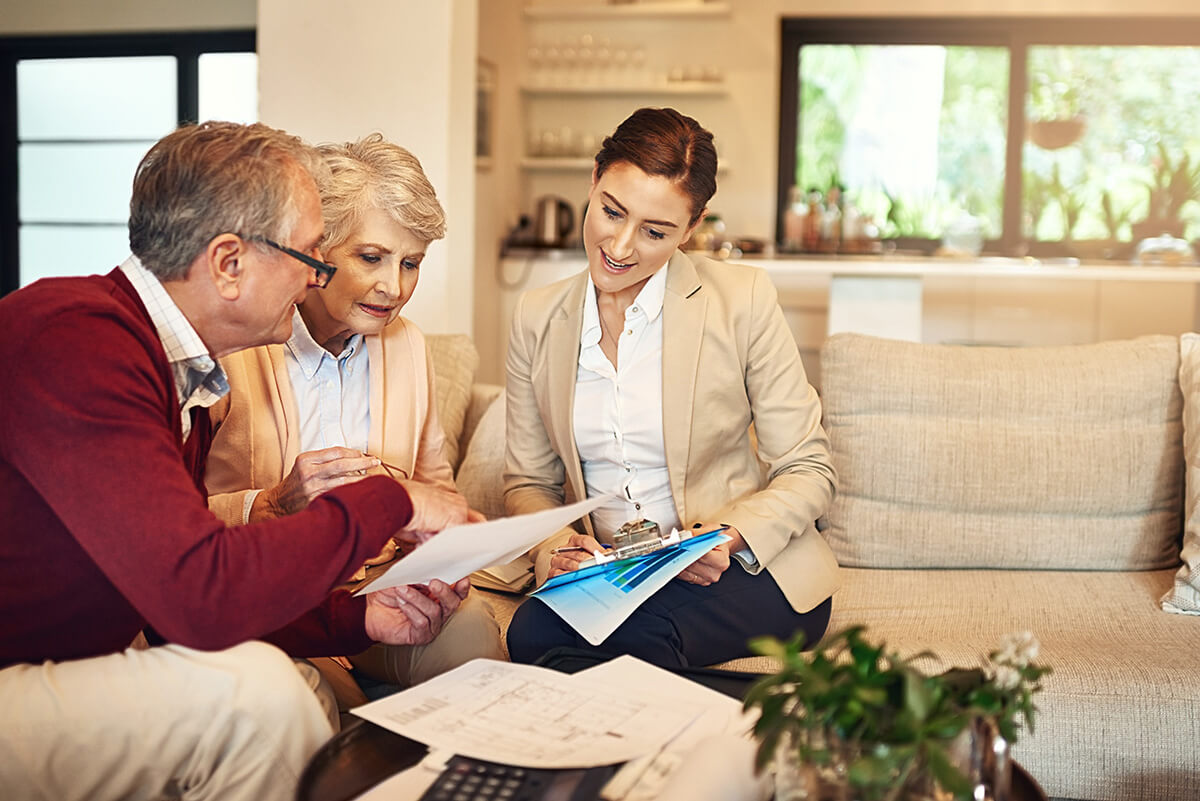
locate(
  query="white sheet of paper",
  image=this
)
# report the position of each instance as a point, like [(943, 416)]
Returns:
[(461, 550), (718, 715), (597, 605), (530, 716)]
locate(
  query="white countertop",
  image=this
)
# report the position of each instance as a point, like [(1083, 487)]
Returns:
[(918, 267), (900, 267)]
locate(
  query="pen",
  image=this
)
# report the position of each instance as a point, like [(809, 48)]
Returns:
[(569, 548)]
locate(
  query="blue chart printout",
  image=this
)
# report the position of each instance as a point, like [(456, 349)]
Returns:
[(596, 600)]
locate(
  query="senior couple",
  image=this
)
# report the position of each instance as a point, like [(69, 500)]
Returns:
[(204, 444)]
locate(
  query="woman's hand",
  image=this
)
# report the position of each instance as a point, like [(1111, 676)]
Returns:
[(569, 560), (709, 568), (412, 615), (315, 473)]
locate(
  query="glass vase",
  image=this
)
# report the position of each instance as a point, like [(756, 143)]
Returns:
[(979, 752)]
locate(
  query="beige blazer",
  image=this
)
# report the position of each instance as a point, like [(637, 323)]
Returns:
[(729, 360), (258, 423)]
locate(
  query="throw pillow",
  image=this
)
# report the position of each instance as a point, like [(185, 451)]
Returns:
[(1184, 595), (454, 360), (481, 477), (1055, 458)]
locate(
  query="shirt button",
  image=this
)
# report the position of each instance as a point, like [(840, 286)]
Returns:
[(634, 309), (629, 331)]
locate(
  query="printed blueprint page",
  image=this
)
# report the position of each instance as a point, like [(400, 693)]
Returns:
[(597, 605), (530, 716)]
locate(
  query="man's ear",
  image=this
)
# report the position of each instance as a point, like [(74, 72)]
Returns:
[(692, 228), (224, 256)]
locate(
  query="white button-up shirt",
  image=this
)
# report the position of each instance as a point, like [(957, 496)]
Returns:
[(199, 379), (618, 414), (333, 393)]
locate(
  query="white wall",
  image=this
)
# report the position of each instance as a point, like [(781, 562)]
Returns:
[(112, 16), (497, 187), (332, 71)]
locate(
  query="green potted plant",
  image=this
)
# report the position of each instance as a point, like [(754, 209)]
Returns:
[(1056, 117), (1170, 187), (852, 721)]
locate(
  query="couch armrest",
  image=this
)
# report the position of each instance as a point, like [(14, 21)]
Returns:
[(482, 397)]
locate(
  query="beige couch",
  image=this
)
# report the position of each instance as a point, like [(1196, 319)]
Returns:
[(984, 491)]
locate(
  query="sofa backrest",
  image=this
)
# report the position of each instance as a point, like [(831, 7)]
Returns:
[(1041, 457)]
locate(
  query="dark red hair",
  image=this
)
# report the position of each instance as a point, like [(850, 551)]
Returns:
[(661, 141)]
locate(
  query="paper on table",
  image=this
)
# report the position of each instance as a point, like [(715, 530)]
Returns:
[(530, 716), (718, 768), (460, 550), (717, 714)]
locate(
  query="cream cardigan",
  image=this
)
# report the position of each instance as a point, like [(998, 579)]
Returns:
[(257, 428)]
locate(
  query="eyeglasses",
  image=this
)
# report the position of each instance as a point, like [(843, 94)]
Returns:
[(322, 271), (398, 473)]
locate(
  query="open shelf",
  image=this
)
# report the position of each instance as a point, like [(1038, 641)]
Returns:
[(672, 88), (628, 10), (569, 164)]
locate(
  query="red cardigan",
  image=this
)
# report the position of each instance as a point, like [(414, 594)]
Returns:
[(104, 528)]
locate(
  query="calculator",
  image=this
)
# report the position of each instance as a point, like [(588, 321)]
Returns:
[(467, 779)]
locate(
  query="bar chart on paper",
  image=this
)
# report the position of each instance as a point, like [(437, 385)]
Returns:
[(628, 578), (596, 605)]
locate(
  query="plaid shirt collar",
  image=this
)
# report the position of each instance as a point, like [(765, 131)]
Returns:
[(199, 379)]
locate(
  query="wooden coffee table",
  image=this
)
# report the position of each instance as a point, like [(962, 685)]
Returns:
[(362, 755)]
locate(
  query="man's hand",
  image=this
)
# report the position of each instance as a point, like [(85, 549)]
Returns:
[(314, 473), (709, 568), (409, 616), (433, 510), (567, 561)]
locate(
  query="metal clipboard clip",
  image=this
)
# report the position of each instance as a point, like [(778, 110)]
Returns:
[(635, 538)]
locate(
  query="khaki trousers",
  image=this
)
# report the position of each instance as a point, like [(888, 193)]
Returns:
[(161, 723), (471, 633)]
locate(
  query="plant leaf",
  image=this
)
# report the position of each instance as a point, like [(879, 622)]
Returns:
[(947, 775)]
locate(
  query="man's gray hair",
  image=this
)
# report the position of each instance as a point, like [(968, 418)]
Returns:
[(214, 178)]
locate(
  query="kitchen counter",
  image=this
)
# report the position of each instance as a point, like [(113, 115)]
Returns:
[(912, 266), (925, 299)]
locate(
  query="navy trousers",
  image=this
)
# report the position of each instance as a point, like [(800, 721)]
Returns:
[(681, 625)]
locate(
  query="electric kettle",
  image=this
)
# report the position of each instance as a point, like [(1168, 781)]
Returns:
[(555, 222)]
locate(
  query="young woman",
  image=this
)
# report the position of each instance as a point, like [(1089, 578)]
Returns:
[(352, 391), (641, 377)]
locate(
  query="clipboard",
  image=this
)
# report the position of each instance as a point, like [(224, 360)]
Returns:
[(616, 562)]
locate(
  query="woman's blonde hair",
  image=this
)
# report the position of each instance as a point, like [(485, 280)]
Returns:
[(374, 173)]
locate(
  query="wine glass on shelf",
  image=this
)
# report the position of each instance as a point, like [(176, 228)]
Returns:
[(637, 62), (536, 56), (553, 61), (604, 62), (587, 58), (570, 62)]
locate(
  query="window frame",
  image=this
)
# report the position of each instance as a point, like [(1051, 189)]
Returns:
[(1017, 34), (186, 47)]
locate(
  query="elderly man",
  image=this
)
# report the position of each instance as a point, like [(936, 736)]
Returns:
[(104, 433)]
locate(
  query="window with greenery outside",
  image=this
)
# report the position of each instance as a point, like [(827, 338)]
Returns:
[(912, 120)]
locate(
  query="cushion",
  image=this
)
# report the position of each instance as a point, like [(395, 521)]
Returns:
[(481, 477), (1184, 595), (454, 360), (1117, 717), (1065, 457)]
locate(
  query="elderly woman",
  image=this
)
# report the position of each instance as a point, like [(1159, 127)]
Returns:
[(351, 392), (640, 378)]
